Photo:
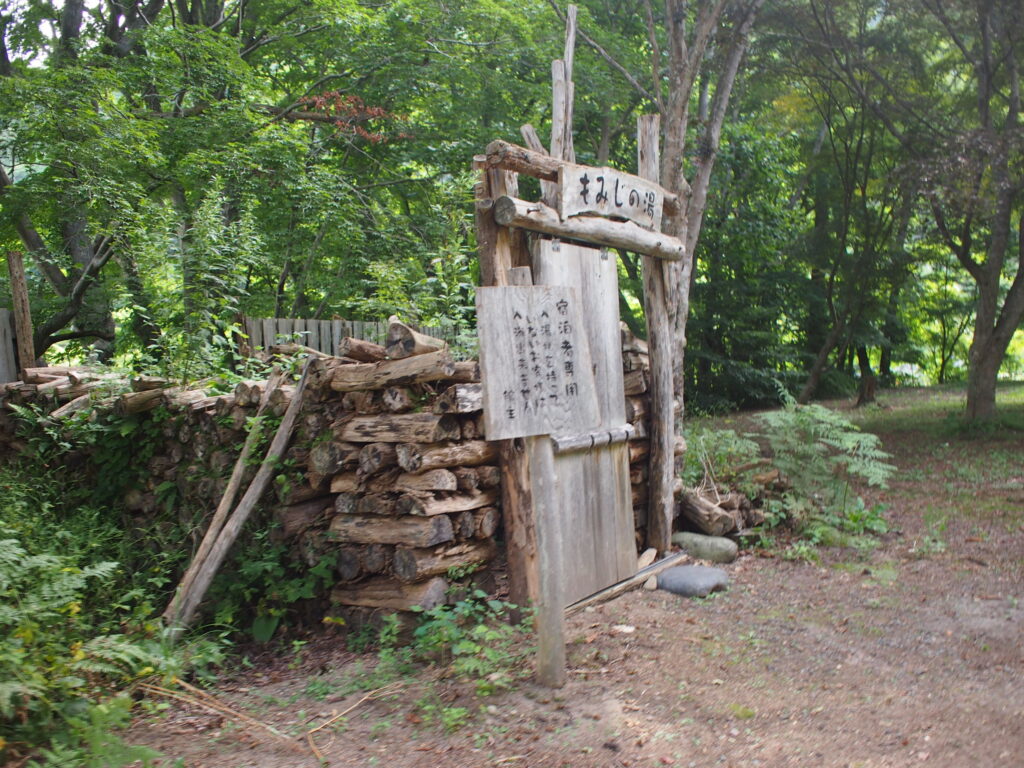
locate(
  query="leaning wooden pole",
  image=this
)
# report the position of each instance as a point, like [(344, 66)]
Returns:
[(659, 340), (22, 313)]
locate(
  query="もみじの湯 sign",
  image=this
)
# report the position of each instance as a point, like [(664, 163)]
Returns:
[(610, 193), (535, 362)]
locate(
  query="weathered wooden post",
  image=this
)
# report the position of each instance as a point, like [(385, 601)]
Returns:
[(22, 313)]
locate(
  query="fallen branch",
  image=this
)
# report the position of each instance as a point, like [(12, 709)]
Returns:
[(375, 694), (201, 698)]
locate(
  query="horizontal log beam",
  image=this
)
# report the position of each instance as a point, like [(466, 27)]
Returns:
[(537, 217)]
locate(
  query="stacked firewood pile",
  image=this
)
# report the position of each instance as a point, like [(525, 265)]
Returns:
[(636, 367), (388, 473)]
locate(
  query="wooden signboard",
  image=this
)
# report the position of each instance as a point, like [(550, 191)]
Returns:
[(535, 362), (610, 193)]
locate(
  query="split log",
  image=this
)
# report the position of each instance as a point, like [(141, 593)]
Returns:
[(464, 525), (346, 482), (243, 391), (636, 409), (375, 558), (399, 428), (466, 372), (328, 457), (473, 427), (488, 476), (433, 366), (635, 361), (367, 402), (296, 493), (397, 400), (461, 398), (348, 565), (383, 592), (363, 351), (403, 341), (382, 482), (408, 531), (297, 518), (377, 504), (53, 384), (345, 503), (138, 402), (709, 518), (432, 480), (411, 565), (466, 479), (635, 382), (43, 374), (486, 522), (280, 399), (144, 383), (439, 504), (377, 456), (80, 403), (413, 457)]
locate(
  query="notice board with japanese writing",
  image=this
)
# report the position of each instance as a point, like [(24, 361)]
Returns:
[(535, 362)]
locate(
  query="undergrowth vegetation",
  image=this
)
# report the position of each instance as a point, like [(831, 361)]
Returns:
[(820, 455)]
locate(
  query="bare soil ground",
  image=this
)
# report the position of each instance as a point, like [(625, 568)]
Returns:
[(909, 654)]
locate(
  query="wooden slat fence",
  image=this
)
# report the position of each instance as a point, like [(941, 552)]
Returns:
[(8, 360), (324, 335)]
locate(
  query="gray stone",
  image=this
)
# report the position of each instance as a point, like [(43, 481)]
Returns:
[(716, 549), (693, 580)]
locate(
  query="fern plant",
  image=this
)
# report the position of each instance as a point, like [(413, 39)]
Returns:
[(820, 452)]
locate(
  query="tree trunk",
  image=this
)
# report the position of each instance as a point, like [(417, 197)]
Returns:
[(820, 364)]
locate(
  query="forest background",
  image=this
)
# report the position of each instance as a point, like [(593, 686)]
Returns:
[(167, 166)]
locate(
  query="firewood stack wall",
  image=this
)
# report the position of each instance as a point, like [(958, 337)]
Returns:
[(389, 472)]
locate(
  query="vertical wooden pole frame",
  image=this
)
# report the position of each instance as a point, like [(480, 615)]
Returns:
[(22, 313), (660, 470)]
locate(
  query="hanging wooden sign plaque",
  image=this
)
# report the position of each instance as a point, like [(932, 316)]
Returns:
[(535, 362)]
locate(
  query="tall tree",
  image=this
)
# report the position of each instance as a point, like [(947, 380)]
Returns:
[(944, 77)]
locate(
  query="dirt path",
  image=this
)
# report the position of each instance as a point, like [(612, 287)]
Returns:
[(910, 654)]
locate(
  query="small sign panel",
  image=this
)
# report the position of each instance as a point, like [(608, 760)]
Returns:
[(535, 362), (610, 193)]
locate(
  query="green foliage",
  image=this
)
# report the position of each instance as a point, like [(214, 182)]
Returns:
[(56, 660), (821, 453), (713, 454), (475, 638)]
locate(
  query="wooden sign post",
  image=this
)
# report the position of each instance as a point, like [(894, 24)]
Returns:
[(552, 373)]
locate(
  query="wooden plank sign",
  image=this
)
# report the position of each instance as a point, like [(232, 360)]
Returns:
[(610, 193), (535, 362)]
